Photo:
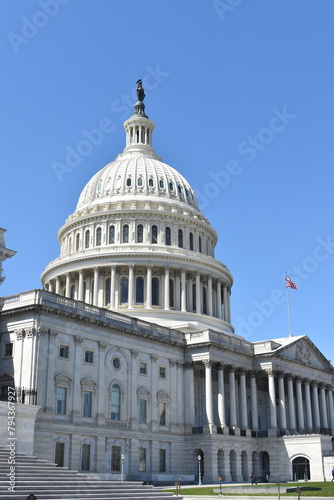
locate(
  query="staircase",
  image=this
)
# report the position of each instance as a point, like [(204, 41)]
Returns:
[(49, 482)]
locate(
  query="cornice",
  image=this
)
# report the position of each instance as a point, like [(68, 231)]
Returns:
[(40, 309)]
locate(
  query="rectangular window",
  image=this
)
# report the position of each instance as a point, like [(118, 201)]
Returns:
[(85, 456), (142, 459), (64, 351), (8, 352), (116, 453), (87, 408), (162, 460), (89, 357), (60, 454), (143, 368), (61, 400), (142, 411), (162, 413), (162, 372)]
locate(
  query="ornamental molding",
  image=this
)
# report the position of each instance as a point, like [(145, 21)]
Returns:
[(20, 334), (102, 345), (78, 340)]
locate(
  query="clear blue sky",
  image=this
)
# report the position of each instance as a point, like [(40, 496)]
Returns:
[(242, 96)]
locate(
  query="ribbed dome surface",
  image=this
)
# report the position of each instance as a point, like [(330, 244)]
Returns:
[(135, 175)]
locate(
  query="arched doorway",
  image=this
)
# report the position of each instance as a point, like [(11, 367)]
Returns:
[(300, 469)]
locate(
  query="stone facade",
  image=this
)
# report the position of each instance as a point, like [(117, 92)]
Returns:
[(131, 351)]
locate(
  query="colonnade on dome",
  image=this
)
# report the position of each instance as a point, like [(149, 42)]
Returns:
[(137, 286)]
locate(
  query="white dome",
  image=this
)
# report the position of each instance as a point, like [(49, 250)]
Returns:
[(132, 176)]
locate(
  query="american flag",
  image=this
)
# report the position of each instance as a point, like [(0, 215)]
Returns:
[(289, 283)]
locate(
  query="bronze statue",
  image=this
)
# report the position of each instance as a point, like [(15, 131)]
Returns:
[(140, 91)]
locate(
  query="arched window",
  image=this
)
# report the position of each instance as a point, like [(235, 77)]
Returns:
[(168, 236), (180, 238), (126, 233), (191, 241), (107, 291), (140, 181), (161, 184), (171, 292), (128, 181), (98, 236), (87, 238), (111, 235), (140, 233), (154, 235), (200, 244), (69, 245), (140, 290), (171, 186), (151, 182), (124, 290), (77, 242), (155, 291), (204, 300), (115, 402), (194, 297)]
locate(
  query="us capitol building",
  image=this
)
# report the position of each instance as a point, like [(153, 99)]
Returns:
[(126, 362)]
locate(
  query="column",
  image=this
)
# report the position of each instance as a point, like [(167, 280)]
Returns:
[(291, 399), (233, 406), (198, 293), (80, 286), (219, 300), (209, 297), (133, 406), (58, 285), (183, 291), (281, 394), (190, 293), (309, 421), (316, 407), (324, 418), (167, 305), (189, 396), (331, 408), (229, 304), (225, 303), (272, 399), (255, 418), (243, 400), (96, 286), (88, 297), (208, 394), (112, 286), (300, 409), (149, 287), (68, 286), (50, 286), (221, 396), (177, 292), (131, 286)]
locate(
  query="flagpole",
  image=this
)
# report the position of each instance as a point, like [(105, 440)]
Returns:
[(288, 304)]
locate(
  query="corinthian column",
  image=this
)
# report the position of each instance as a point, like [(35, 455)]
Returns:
[(309, 421), (316, 407), (221, 396), (272, 399), (292, 414), (233, 406), (243, 400), (255, 418), (281, 394), (324, 418), (208, 393), (300, 409)]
